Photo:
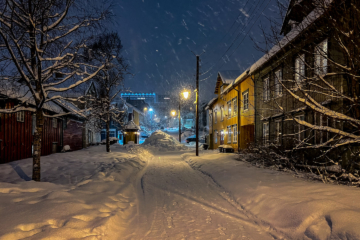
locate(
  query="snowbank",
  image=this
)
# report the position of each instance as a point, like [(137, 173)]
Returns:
[(86, 194), (293, 207), (163, 142)]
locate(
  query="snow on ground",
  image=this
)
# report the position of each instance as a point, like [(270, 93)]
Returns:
[(163, 142), (293, 207), (131, 193), (83, 194)]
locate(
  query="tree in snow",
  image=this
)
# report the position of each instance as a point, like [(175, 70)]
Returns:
[(324, 63), (41, 43), (106, 50)]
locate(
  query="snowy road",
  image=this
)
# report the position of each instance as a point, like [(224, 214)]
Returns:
[(178, 202)]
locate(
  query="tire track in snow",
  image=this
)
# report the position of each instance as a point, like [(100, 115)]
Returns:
[(257, 223)]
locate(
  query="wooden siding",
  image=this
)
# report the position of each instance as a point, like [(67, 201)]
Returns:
[(73, 134), (16, 137)]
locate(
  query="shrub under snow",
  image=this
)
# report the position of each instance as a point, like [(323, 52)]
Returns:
[(163, 142)]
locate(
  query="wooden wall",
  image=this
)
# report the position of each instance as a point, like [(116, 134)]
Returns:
[(73, 134), (17, 137)]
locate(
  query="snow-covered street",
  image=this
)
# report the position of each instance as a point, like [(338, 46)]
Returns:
[(148, 192)]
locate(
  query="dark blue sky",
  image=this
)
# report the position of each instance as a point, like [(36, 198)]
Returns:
[(158, 37)]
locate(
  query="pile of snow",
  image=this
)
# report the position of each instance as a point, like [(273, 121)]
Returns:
[(282, 204), (187, 134), (66, 148), (163, 141), (86, 194)]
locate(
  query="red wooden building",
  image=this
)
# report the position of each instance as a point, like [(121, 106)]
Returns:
[(17, 130)]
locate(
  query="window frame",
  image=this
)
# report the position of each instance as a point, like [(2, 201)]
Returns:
[(222, 113), (266, 89), (320, 59), (229, 138), (245, 103), (300, 70), (215, 116), (20, 116), (266, 137), (229, 109), (54, 123), (278, 131), (216, 136), (235, 133), (277, 79), (235, 103)]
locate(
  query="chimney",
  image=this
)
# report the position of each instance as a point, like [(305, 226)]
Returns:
[(130, 117)]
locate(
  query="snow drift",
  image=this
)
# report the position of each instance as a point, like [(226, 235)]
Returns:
[(163, 142)]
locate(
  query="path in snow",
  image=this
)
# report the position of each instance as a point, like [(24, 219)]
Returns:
[(178, 202)]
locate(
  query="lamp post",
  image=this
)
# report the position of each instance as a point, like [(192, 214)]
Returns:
[(185, 94)]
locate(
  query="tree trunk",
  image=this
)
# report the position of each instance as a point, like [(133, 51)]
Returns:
[(37, 145), (108, 135)]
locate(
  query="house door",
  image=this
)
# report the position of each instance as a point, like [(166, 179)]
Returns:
[(221, 137)]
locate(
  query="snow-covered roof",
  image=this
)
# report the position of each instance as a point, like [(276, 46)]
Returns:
[(131, 126), (229, 76), (134, 108), (291, 36)]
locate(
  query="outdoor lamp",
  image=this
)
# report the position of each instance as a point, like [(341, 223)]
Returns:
[(145, 109), (173, 113), (185, 94), (150, 109)]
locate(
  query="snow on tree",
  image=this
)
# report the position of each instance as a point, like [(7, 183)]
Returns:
[(106, 50), (41, 45), (325, 79)]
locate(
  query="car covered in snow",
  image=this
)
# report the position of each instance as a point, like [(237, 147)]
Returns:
[(193, 139)]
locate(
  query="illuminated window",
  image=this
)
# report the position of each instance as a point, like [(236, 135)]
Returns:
[(246, 100), (235, 106), (235, 133), (229, 134), (299, 70), (229, 109), (321, 62)]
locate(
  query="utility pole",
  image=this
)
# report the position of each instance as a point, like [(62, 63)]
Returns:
[(179, 120), (197, 104)]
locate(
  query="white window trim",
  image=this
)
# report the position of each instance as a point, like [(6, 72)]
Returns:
[(245, 93), (266, 89), (266, 137), (229, 109), (235, 133), (20, 116), (300, 70), (234, 100), (278, 86), (321, 61), (229, 138), (222, 113)]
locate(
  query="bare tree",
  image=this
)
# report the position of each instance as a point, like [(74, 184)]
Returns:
[(325, 79), (106, 50), (41, 40)]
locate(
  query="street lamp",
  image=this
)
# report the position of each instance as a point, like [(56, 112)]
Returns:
[(173, 112), (185, 94)]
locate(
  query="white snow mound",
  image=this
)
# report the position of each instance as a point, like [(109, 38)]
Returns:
[(163, 142)]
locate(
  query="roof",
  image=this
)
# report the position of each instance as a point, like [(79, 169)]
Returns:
[(134, 108), (229, 76), (212, 101), (131, 126), (225, 77), (291, 36)]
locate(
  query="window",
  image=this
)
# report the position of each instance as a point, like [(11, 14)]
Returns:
[(215, 136), (210, 119), (278, 86), (266, 133), (54, 122), (299, 129), (215, 116), (229, 134), (246, 100), (321, 63), (278, 129), (235, 106), (229, 109), (20, 116), (299, 70), (235, 133), (266, 89), (222, 113), (112, 133)]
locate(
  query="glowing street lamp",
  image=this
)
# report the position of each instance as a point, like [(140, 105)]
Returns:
[(173, 113), (186, 94), (145, 109), (150, 110)]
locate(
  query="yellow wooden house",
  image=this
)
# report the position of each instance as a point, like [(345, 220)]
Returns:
[(231, 123)]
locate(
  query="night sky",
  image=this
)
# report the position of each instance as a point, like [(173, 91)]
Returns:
[(159, 37)]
